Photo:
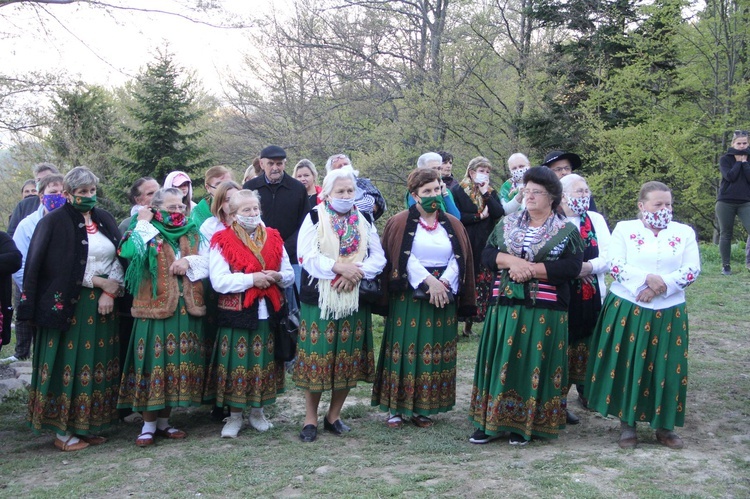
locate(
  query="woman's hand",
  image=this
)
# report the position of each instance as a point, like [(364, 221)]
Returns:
[(437, 291), (645, 296), (106, 304), (740, 157), (276, 276), (343, 284), (261, 280), (179, 267), (519, 194), (485, 213), (586, 270), (656, 284), (350, 271), (107, 285), (145, 214), (484, 187), (520, 270)]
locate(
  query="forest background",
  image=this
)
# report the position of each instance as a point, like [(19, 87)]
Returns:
[(641, 90)]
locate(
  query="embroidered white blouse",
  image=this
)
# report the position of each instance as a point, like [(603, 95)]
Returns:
[(636, 252), (432, 249), (102, 260)]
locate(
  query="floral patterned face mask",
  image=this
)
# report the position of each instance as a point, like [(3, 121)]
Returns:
[(658, 220), (579, 205)]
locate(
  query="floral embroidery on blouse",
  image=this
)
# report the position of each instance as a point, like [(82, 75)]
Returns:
[(673, 242), (687, 276), (58, 301), (638, 239)]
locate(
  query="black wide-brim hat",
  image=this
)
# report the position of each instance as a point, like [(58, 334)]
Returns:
[(575, 160)]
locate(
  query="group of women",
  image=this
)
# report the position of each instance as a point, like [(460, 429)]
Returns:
[(538, 272)]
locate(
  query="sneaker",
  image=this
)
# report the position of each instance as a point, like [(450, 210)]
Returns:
[(258, 421), (480, 437), (231, 428), (133, 418), (9, 360), (726, 270), (516, 439)]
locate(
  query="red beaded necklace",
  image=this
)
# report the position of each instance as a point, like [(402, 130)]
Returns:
[(93, 228), (426, 227)]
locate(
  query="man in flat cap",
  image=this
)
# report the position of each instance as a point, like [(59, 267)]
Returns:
[(283, 199)]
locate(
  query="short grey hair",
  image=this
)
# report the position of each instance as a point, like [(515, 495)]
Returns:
[(43, 167), (519, 155), (78, 177), (568, 180), (329, 163), (428, 157), (234, 201), (158, 200), (346, 172)]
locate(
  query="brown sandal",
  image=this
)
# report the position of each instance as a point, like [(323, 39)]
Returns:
[(145, 439), (68, 447), (421, 421), (395, 421), (92, 439)]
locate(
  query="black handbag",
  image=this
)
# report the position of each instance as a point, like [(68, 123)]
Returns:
[(285, 334), (369, 290), (421, 294)]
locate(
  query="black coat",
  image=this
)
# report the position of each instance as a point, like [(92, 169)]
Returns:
[(735, 180), (23, 209), (10, 262), (55, 265), (477, 228), (283, 206)]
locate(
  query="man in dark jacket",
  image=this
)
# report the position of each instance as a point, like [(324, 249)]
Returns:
[(29, 205), (283, 200)]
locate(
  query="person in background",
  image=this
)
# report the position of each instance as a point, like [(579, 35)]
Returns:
[(214, 176), (511, 192), (253, 170), (564, 163), (165, 364), (307, 174), (520, 376), (220, 218), (337, 248), (433, 161), (29, 205), (446, 173), (182, 181), (427, 251), (733, 199), (52, 197), (480, 209), (10, 261), (249, 267), (369, 200), (140, 195), (587, 291), (71, 281), (640, 369), (28, 189)]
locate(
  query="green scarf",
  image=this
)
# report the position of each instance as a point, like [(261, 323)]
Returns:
[(201, 212), (146, 254)]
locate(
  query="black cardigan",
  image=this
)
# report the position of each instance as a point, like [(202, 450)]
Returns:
[(735, 180), (10, 262), (477, 228), (55, 265)]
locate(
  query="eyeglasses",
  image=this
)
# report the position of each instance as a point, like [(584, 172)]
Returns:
[(529, 192), (559, 169), (581, 192), (212, 186), (173, 208)]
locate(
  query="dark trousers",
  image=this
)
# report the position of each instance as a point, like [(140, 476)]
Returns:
[(726, 213)]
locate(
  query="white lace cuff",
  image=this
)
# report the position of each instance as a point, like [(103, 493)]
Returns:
[(197, 267)]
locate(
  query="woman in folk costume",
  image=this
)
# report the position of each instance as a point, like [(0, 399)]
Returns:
[(165, 364), (337, 248), (521, 374), (71, 279), (248, 266), (639, 372), (429, 255)]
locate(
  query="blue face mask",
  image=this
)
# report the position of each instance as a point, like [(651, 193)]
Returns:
[(341, 205), (52, 202)]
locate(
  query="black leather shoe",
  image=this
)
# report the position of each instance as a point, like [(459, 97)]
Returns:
[(571, 418), (309, 433), (337, 427)]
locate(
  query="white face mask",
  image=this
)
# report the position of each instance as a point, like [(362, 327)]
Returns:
[(481, 178), (248, 223), (517, 175), (341, 205)]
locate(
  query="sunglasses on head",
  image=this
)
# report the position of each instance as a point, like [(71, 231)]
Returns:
[(741, 133)]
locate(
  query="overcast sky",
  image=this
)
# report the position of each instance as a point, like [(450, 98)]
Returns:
[(109, 46)]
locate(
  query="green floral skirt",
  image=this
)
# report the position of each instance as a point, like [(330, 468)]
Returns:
[(76, 373), (244, 372), (578, 357), (416, 371), (334, 354), (520, 378), (165, 365), (638, 370)]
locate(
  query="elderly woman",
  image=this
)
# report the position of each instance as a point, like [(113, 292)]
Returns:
[(368, 199), (520, 378), (430, 279), (511, 192), (337, 248), (305, 172), (589, 288), (248, 267), (181, 181), (220, 219), (71, 279), (165, 364), (480, 209), (733, 199), (640, 369), (215, 176), (434, 161)]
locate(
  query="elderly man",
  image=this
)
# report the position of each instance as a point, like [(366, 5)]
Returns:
[(50, 198), (368, 198), (29, 205), (140, 195), (283, 200), (433, 161)]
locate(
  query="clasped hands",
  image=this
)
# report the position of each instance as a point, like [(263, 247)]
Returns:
[(521, 270), (266, 278), (437, 290), (655, 287), (348, 276)]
